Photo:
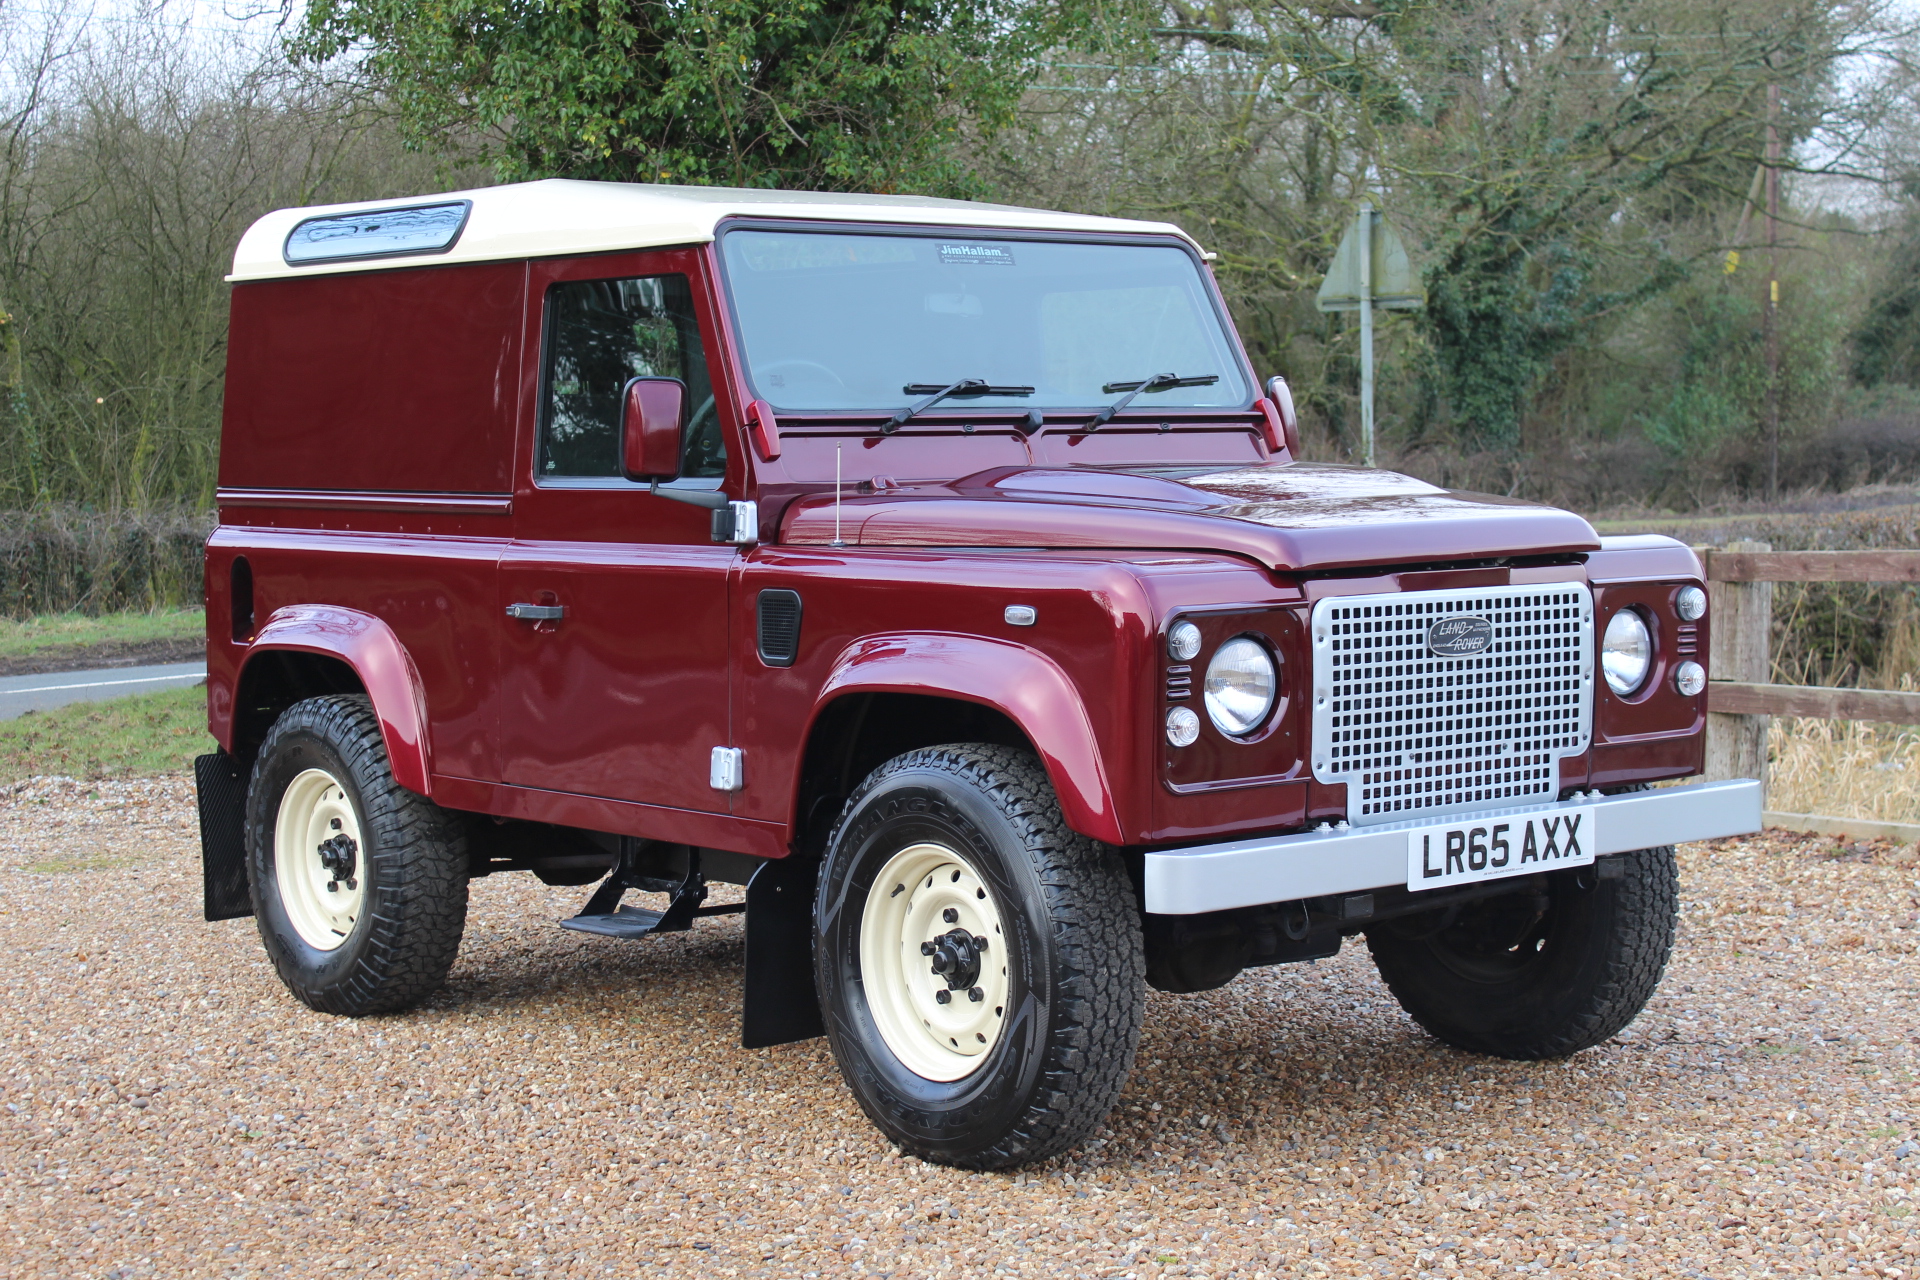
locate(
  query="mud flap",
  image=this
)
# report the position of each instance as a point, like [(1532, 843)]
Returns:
[(222, 790), (780, 1005)]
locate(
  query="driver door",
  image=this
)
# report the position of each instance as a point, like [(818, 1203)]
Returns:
[(624, 694)]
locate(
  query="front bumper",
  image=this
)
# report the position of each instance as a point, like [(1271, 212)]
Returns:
[(1315, 864)]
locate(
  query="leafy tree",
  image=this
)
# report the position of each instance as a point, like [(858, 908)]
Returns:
[(813, 94), (1556, 166), (1886, 346)]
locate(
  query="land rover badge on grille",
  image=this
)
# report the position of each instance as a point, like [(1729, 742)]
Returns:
[(1461, 636)]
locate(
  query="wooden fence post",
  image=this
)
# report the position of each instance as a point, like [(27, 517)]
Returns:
[(1741, 625)]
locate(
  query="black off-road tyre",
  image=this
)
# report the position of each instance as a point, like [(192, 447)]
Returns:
[(410, 865), (1074, 968), (1499, 979)]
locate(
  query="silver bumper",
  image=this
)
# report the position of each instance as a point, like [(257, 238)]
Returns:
[(1314, 864)]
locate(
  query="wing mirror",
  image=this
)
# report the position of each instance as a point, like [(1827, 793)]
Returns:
[(651, 412), (1282, 396)]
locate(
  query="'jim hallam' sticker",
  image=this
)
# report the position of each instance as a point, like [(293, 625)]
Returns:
[(980, 255)]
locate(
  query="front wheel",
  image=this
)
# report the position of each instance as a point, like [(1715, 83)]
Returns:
[(979, 964), (1542, 972)]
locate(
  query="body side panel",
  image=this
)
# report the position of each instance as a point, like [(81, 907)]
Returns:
[(933, 624)]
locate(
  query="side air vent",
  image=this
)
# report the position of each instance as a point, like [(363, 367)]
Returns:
[(779, 611)]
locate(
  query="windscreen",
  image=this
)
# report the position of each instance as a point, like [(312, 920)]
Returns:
[(833, 321)]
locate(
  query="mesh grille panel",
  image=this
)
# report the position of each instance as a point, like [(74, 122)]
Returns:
[(1474, 713)]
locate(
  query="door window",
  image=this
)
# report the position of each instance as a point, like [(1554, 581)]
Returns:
[(601, 333)]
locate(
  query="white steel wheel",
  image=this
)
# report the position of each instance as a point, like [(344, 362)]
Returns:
[(318, 863), (933, 962)]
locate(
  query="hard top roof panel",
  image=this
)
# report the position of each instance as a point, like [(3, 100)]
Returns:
[(561, 217)]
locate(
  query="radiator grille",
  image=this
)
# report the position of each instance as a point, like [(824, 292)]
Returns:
[(1412, 730)]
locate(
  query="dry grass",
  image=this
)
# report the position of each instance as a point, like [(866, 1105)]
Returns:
[(1845, 769)]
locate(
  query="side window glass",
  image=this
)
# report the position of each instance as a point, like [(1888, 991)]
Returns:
[(601, 333)]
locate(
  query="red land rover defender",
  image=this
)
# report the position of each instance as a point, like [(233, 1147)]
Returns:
[(940, 572)]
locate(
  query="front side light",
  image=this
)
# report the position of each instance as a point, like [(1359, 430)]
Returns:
[(1183, 642), (1241, 686), (1690, 678), (1626, 654), (1183, 727), (1690, 604)]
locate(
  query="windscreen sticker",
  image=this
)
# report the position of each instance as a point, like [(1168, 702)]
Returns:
[(979, 255)]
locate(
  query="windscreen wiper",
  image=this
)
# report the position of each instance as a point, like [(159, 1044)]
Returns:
[(935, 393), (1158, 382)]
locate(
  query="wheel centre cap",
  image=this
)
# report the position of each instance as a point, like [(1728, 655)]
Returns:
[(956, 957)]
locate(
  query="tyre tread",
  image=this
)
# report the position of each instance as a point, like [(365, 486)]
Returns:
[(1646, 910)]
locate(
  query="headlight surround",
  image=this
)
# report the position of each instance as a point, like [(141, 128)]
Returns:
[(1242, 683), (1626, 652)]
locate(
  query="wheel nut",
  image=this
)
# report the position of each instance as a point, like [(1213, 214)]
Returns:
[(943, 996), (332, 887), (950, 915), (926, 948), (976, 995)]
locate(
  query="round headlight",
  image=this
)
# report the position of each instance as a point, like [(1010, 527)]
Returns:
[(1241, 685), (1690, 678), (1183, 642), (1183, 727), (1627, 652), (1690, 604)]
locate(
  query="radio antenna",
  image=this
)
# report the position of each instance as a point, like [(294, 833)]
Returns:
[(836, 497)]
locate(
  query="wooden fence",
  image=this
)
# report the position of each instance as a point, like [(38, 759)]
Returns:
[(1740, 697)]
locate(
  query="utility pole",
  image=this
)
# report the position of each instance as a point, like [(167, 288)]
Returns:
[(1771, 314), (1366, 330)]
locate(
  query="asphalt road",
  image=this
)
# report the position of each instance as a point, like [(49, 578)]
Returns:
[(20, 694)]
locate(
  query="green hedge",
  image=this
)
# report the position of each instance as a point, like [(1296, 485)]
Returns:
[(56, 560)]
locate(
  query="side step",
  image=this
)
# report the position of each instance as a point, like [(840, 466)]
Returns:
[(603, 914), (638, 922)]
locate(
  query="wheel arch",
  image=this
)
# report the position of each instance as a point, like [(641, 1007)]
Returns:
[(896, 693), (306, 650)]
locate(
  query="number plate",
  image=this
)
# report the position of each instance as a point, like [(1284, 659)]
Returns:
[(1492, 847)]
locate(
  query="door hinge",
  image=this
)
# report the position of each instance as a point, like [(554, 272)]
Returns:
[(726, 768), (738, 523)]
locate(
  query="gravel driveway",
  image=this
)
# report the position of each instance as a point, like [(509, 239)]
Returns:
[(577, 1106)]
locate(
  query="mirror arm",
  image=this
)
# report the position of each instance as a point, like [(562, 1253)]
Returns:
[(711, 499)]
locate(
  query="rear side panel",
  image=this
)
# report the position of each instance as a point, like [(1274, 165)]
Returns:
[(365, 464), (387, 381)]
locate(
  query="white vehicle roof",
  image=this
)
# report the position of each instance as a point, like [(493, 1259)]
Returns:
[(557, 216)]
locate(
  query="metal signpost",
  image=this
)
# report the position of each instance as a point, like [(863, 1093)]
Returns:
[(1383, 276)]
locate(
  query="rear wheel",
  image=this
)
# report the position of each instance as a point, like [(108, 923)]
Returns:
[(1541, 972), (979, 964), (359, 885)]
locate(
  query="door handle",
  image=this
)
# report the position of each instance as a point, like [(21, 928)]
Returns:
[(537, 612)]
